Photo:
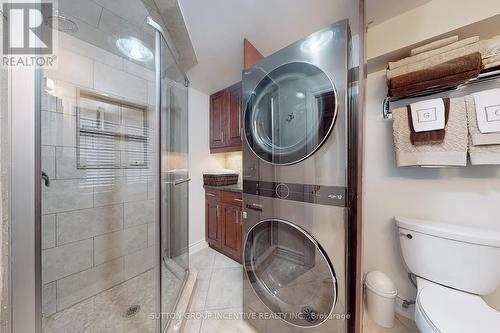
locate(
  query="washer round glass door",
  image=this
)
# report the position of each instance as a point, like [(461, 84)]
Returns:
[(290, 113), (290, 273)]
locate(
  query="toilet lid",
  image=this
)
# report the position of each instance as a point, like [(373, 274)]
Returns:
[(453, 311)]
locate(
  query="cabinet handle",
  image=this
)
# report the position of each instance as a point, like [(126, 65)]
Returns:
[(217, 211), (239, 200), (211, 194), (236, 216), (222, 136)]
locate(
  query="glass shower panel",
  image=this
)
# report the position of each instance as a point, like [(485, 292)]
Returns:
[(175, 181), (98, 199)]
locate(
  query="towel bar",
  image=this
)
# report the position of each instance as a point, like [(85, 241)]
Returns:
[(490, 80)]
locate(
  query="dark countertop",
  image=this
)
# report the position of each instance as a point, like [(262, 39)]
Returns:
[(238, 188)]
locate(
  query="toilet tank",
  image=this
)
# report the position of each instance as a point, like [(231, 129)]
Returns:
[(460, 257)]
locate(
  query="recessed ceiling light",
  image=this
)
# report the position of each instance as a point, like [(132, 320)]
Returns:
[(134, 48), (300, 95)]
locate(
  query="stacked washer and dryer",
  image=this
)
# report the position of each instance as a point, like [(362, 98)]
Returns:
[(295, 183)]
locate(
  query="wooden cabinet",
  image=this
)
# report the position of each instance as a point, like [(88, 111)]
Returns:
[(223, 222), (225, 120), (213, 227), (218, 106)]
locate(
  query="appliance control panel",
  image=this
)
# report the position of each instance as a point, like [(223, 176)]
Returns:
[(317, 194)]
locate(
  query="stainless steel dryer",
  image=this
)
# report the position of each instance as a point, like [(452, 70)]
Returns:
[(295, 161)]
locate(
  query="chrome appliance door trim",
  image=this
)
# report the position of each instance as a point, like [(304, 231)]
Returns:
[(317, 246), (335, 92)]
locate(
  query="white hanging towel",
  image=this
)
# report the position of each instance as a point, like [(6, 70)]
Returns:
[(428, 115), (488, 110)]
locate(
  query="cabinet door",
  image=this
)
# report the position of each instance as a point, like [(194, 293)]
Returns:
[(213, 230), (233, 127), (218, 112), (231, 232)]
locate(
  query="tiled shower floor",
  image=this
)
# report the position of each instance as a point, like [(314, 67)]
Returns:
[(105, 312)]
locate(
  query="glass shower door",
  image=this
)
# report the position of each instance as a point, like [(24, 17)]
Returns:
[(98, 223), (174, 182)]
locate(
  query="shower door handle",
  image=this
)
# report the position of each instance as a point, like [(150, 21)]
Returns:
[(179, 182), (46, 179), (182, 181)]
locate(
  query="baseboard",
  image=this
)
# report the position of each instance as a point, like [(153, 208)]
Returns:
[(198, 246)]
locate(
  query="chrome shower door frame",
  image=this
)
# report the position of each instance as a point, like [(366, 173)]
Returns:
[(160, 37)]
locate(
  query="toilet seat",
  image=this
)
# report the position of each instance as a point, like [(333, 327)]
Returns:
[(445, 310)]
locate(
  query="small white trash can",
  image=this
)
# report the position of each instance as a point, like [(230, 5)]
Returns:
[(380, 298)]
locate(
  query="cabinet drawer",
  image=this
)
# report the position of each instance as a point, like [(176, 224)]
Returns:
[(212, 194), (232, 198)]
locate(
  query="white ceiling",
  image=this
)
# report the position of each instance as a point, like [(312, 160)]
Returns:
[(217, 29)]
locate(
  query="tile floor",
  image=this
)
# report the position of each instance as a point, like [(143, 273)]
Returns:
[(217, 302), (104, 312), (401, 325), (218, 293)]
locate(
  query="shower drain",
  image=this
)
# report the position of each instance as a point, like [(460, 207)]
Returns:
[(132, 311), (310, 315)]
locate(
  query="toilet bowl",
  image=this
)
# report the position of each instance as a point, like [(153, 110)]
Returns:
[(453, 265), (440, 309)]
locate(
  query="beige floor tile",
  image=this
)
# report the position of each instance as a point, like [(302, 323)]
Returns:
[(221, 261), (230, 322), (226, 289), (203, 259), (369, 326), (192, 326)]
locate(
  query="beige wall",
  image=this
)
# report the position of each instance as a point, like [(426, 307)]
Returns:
[(432, 19), (201, 160), (467, 195)]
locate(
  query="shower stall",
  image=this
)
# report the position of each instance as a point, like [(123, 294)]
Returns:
[(98, 193)]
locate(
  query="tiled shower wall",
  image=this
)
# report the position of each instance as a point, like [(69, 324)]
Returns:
[(97, 225)]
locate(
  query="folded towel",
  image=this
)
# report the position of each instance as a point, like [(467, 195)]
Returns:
[(427, 115), (438, 59), (434, 45), (492, 65), (428, 54), (488, 110), (491, 59), (492, 47), (455, 66), (452, 80), (451, 152), (429, 137), (478, 138), (481, 151)]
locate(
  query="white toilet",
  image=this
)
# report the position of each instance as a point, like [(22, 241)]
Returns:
[(453, 265)]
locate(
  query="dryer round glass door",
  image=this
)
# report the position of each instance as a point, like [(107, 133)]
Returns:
[(290, 273), (290, 113)]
